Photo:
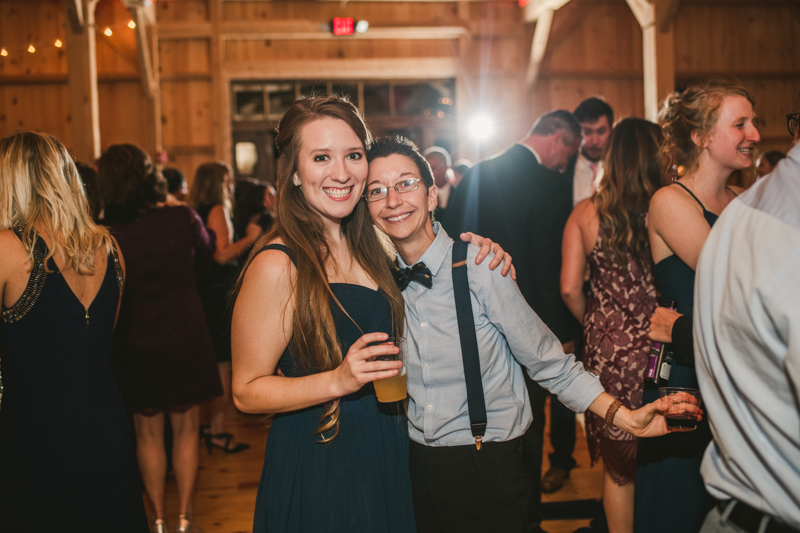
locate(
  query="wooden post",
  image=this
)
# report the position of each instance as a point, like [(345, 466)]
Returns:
[(143, 14), (82, 82), (541, 12), (658, 50)]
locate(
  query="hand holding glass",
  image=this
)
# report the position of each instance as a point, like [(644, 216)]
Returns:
[(391, 389), (684, 407)]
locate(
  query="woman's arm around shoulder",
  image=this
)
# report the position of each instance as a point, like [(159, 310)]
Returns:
[(580, 234), (261, 331), (676, 226)]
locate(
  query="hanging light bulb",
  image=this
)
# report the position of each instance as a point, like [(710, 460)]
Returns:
[(31, 49), (131, 24), (3, 52), (58, 43), (108, 32)]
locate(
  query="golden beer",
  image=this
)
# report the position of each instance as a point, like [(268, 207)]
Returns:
[(391, 389)]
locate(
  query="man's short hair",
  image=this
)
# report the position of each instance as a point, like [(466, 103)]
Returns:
[(386, 146), (557, 120), (591, 109), (442, 152)]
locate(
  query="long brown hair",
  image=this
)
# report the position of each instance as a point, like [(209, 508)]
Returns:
[(694, 109), (314, 343), (632, 172), (208, 187), (39, 184)]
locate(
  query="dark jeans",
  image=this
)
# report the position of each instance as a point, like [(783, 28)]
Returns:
[(533, 448), (459, 489)]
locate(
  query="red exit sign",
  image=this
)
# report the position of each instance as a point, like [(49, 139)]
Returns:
[(343, 26)]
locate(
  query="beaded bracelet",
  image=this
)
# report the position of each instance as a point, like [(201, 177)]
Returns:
[(612, 411)]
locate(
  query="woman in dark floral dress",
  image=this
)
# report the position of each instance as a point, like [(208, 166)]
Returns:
[(608, 232)]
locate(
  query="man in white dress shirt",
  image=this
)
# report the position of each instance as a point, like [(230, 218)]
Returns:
[(747, 349)]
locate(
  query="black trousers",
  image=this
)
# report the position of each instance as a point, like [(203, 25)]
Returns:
[(459, 489), (562, 423), (533, 448)]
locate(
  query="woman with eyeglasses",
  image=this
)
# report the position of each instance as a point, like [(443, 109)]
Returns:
[(708, 130)]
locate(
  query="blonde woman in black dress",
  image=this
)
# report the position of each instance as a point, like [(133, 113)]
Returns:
[(67, 459)]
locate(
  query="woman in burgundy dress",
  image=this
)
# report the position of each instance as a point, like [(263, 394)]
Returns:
[(608, 232), (164, 360)]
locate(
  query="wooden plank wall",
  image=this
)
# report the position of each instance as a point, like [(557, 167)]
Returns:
[(594, 48)]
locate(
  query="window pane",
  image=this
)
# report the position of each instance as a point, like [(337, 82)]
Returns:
[(281, 96), (347, 89), (376, 99), (314, 88), (439, 98), (408, 99), (250, 103), (246, 158)]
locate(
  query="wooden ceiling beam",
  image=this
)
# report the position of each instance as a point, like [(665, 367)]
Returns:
[(536, 8), (541, 12), (138, 10)]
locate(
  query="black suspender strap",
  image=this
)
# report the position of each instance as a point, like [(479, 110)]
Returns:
[(469, 343)]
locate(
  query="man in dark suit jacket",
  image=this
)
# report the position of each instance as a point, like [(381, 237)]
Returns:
[(521, 200)]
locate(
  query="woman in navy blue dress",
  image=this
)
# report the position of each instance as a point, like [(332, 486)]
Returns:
[(708, 130), (316, 293), (67, 458)]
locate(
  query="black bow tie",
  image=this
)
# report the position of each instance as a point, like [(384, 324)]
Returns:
[(418, 273)]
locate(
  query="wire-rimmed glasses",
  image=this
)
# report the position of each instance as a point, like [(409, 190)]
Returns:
[(382, 192)]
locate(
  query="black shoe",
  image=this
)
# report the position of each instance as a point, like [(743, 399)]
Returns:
[(227, 446)]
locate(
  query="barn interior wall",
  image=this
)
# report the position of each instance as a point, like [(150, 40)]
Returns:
[(595, 47)]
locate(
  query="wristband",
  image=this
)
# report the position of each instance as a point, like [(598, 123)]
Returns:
[(612, 411)]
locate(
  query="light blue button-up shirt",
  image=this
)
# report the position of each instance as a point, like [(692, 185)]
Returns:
[(508, 332)]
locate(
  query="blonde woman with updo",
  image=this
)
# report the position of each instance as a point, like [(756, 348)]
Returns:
[(67, 457), (709, 131)]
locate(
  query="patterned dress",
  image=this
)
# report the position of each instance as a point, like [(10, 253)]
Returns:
[(618, 308)]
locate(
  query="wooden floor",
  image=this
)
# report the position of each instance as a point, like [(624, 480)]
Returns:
[(227, 484)]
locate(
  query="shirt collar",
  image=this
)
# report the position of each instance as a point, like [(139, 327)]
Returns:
[(534, 152), (436, 253)]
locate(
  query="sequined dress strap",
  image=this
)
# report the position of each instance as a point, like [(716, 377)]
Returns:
[(35, 281), (117, 268)]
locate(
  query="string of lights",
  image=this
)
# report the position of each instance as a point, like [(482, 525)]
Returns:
[(31, 47)]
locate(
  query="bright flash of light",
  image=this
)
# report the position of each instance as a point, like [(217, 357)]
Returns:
[(31, 49), (58, 43), (481, 127), (108, 32), (131, 24), (3, 52)]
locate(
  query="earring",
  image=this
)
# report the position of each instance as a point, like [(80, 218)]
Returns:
[(295, 180)]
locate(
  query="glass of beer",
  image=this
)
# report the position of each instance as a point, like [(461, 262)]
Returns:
[(392, 389), (684, 407)]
